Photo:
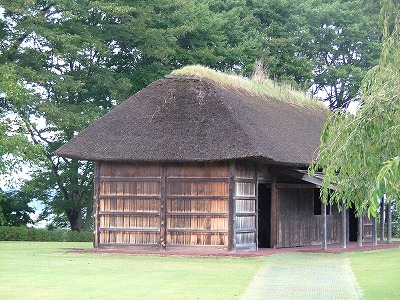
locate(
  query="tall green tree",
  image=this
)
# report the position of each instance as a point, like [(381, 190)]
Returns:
[(325, 45), (65, 63), (56, 79), (360, 153)]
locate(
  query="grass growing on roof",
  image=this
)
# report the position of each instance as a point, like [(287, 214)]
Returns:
[(265, 87)]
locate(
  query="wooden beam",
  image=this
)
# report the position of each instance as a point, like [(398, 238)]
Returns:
[(300, 175), (295, 186), (344, 226)]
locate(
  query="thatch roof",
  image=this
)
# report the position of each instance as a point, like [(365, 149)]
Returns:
[(184, 118)]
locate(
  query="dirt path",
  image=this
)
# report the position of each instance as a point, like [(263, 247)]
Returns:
[(304, 276)]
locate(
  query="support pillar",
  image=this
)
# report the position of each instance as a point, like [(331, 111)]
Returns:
[(232, 208), (382, 219), (344, 226), (389, 221), (163, 209), (324, 233), (96, 205), (374, 232), (360, 230)]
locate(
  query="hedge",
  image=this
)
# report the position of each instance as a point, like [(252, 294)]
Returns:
[(43, 235)]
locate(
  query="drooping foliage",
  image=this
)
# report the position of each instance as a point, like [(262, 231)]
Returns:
[(361, 153)]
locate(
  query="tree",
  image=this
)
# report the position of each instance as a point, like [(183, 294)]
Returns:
[(55, 70), (15, 209), (327, 46), (65, 63), (360, 153)]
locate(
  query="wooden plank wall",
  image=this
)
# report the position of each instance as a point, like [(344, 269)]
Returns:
[(245, 199), (197, 204), (297, 224), (129, 198), (162, 205)]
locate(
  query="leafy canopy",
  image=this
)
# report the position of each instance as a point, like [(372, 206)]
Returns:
[(360, 153)]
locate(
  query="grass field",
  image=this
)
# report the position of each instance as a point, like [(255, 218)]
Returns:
[(35, 270), (30, 270), (378, 273)]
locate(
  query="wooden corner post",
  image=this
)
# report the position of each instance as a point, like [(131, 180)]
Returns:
[(232, 208), (96, 205), (163, 186)]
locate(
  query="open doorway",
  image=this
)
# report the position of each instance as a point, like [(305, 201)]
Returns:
[(353, 225), (264, 216)]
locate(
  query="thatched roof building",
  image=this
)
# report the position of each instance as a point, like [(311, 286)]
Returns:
[(190, 118), (201, 158)]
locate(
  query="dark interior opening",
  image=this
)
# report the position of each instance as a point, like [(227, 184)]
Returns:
[(353, 225), (264, 216), (317, 203)]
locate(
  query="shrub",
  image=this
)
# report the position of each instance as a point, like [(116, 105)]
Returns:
[(43, 235)]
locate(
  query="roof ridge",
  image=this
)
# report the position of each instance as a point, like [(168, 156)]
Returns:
[(264, 88)]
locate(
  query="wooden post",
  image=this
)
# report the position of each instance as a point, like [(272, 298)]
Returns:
[(257, 203), (163, 213), (389, 222), (360, 230), (274, 215), (374, 232), (344, 226), (382, 219), (96, 205), (324, 231), (232, 208)]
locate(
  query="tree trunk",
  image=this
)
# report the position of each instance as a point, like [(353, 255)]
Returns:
[(75, 219), (89, 213)]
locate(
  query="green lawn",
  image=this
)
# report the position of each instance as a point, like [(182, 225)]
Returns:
[(38, 270), (378, 273), (34, 270)]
